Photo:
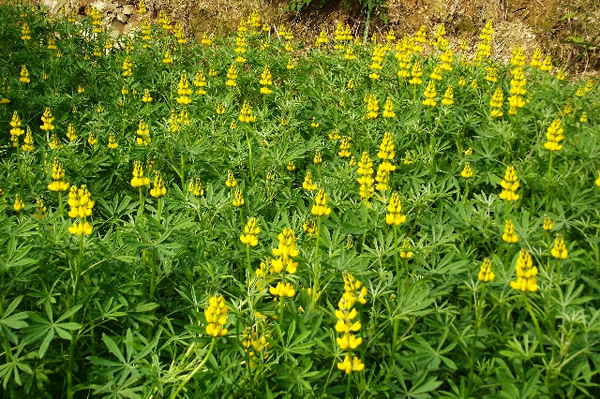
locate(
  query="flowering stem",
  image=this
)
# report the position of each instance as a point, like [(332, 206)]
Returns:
[(348, 386), (558, 264), (317, 271), (190, 375), (535, 322), (249, 154), (159, 210), (396, 260), (466, 191), (141, 202), (478, 306), (60, 204), (549, 195), (248, 260), (78, 268), (182, 172)]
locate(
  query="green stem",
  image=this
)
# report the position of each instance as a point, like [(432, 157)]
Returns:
[(141, 210), (317, 271), (348, 386), (190, 375), (78, 268), (159, 210), (248, 260), (396, 260), (182, 173), (249, 154), (535, 322), (60, 204), (478, 307)]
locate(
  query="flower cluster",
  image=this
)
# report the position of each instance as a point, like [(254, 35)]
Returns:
[(394, 216), (517, 90), (496, 103), (284, 263), (183, 90), (365, 171), (158, 190), (526, 272), (58, 175), (15, 129), (559, 250), (251, 230), (430, 94), (509, 235), (139, 180), (345, 147), (309, 184), (554, 135), (246, 114), (485, 272), (509, 185), (320, 207), (81, 207), (347, 326), (216, 316), (386, 154)]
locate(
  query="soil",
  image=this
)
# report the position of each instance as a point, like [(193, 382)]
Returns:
[(550, 24)]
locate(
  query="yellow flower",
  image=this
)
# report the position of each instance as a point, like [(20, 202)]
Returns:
[(351, 363), (24, 75), (58, 175), (251, 230), (195, 187), (239, 197), (406, 249), (496, 103), (317, 159), (448, 96), (167, 58), (394, 216), (509, 233), (526, 272), (19, 204), (139, 180), (509, 185), (290, 166), (112, 142), (320, 207), (147, 98), (348, 341), (183, 90), (143, 134), (559, 251), (308, 184), (47, 120), (548, 224), (216, 316), (230, 182), (388, 109), (158, 190), (246, 114), (554, 135), (467, 171), (485, 273), (282, 290), (430, 95), (344, 147)]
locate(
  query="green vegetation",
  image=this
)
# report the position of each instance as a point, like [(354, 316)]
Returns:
[(245, 217)]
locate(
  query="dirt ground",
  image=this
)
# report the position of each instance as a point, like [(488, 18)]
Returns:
[(549, 24)]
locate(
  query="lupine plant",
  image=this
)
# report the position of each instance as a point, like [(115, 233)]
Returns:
[(252, 217)]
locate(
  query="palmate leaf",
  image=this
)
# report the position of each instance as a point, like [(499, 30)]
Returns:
[(47, 328)]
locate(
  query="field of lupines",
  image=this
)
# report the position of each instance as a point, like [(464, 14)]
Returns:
[(250, 216)]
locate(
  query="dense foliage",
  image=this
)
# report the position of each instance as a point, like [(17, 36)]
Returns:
[(251, 217)]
